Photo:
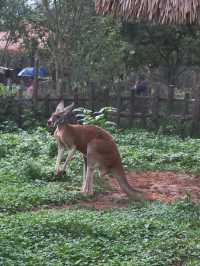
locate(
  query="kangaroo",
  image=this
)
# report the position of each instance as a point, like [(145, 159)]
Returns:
[(97, 146)]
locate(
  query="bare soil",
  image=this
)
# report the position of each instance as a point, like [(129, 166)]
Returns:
[(163, 186), (166, 187)]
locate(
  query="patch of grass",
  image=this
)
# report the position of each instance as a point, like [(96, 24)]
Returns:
[(23, 196), (27, 164), (144, 236), (143, 150)]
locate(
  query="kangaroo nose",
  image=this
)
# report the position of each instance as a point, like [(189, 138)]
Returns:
[(49, 122)]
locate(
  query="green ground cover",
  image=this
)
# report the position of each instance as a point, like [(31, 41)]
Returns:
[(140, 235), (143, 234)]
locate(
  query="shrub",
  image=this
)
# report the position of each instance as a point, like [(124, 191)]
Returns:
[(100, 118), (8, 126), (7, 91), (32, 170)]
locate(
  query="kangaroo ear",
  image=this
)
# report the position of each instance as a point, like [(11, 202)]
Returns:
[(60, 107), (69, 108)]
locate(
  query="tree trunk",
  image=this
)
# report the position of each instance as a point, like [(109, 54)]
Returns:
[(57, 75), (171, 87)]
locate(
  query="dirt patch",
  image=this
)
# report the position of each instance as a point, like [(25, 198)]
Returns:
[(166, 186), (163, 186)]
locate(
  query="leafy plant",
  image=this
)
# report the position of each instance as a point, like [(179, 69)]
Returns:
[(99, 118), (8, 126), (8, 91)]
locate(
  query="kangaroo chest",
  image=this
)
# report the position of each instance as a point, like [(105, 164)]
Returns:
[(65, 138)]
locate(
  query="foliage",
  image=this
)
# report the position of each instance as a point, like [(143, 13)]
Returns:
[(13, 13), (78, 46), (100, 118), (100, 51), (27, 172), (144, 234), (170, 48), (146, 150), (174, 127), (81, 48), (7, 91), (8, 126), (149, 235), (28, 158)]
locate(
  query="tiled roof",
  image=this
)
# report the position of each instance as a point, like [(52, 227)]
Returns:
[(9, 45)]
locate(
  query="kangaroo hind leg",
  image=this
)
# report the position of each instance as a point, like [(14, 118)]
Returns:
[(90, 163), (88, 181)]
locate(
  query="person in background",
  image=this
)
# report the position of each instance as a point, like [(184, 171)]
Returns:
[(141, 87), (29, 91)]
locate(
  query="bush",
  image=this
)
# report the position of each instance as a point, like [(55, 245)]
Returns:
[(100, 118), (8, 126), (52, 151), (32, 170), (7, 91), (3, 149)]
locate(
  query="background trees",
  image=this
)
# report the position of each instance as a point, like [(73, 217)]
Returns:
[(78, 46), (12, 15), (172, 49)]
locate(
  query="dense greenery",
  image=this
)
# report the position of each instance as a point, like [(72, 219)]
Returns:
[(79, 47), (28, 158), (144, 234), (141, 235)]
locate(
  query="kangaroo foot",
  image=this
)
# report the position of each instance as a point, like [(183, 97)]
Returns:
[(87, 189), (59, 173)]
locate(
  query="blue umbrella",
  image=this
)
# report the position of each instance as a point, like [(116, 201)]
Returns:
[(30, 72)]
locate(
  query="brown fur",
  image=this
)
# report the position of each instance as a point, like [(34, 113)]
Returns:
[(99, 150)]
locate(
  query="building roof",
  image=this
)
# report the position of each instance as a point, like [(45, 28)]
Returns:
[(158, 11), (6, 44), (16, 46)]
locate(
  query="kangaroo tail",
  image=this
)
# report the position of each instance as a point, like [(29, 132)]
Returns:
[(121, 178)]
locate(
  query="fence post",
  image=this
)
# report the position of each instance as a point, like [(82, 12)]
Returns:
[(132, 107), (107, 97), (155, 106), (170, 98), (19, 108), (145, 110), (186, 104), (92, 96), (119, 104), (196, 113), (76, 98), (47, 107)]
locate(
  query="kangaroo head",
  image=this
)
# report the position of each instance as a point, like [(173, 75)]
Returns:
[(61, 115)]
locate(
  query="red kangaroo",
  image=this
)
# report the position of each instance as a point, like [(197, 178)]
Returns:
[(97, 146)]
